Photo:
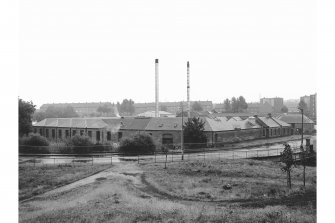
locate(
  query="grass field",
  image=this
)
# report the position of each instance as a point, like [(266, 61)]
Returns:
[(244, 184), (220, 191), (39, 179)]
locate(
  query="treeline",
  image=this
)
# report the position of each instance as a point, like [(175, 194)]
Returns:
[(235, 105), (55, 112)]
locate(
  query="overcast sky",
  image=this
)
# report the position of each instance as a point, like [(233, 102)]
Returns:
[(85, 51)]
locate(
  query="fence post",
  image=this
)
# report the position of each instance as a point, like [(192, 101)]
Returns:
[(165, 160), (204, 154)]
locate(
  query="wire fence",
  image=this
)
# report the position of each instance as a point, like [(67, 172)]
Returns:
[(177, 155)]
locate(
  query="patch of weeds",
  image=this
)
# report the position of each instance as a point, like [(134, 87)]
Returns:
[(206, 180)]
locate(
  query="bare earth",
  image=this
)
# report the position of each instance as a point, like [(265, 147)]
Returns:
[(123, 194)]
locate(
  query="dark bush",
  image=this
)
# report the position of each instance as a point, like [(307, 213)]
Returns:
[(138, 144), (34, 143), (81, 144)]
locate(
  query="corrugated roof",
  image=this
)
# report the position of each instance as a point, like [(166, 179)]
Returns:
[(294, 118), (72, 123)]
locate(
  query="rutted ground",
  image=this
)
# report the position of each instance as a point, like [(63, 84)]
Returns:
[(127, 192)]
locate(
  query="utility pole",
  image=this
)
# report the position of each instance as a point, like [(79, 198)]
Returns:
[(303, 152), (302, 127), (182, 132)]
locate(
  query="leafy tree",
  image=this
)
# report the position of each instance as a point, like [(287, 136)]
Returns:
[(196, 106), (26, 110), (287, 159), (164, 108), (104, 109), (234, 105), (38, 116), (303, 105), (127, 107), (68, 112), (237, 104), (242, 104), (55, 112), (284, 109), (227, 105), (194, 134), (59, 112), (141, 143)]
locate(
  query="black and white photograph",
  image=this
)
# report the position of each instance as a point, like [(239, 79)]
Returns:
[(168, 111)]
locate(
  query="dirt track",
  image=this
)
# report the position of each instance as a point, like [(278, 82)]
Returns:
[(122, 183)]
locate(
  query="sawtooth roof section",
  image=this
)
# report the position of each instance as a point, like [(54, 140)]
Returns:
[(269, 122), (294, 118), (280, 122)]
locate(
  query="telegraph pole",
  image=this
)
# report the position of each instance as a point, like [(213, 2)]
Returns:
[(302, 127), (182, 132)]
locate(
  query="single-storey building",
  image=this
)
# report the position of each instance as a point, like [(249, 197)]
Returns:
[(295, 121), (164, 130), (62, 128), (273, 127)]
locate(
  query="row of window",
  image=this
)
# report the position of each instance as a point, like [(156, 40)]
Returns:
[(274, 132), (98, 134)]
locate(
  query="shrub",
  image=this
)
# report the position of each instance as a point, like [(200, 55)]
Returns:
[(34, 143), (138, 144), (60, 147), (80, 144)]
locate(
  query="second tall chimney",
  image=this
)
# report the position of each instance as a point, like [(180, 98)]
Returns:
[(156, 88)]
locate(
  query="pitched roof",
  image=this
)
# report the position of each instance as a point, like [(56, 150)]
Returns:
[(280, 122), (294, 118), (217, 124), (72, 123), (152, 114), (172, 123), (268, 121)]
